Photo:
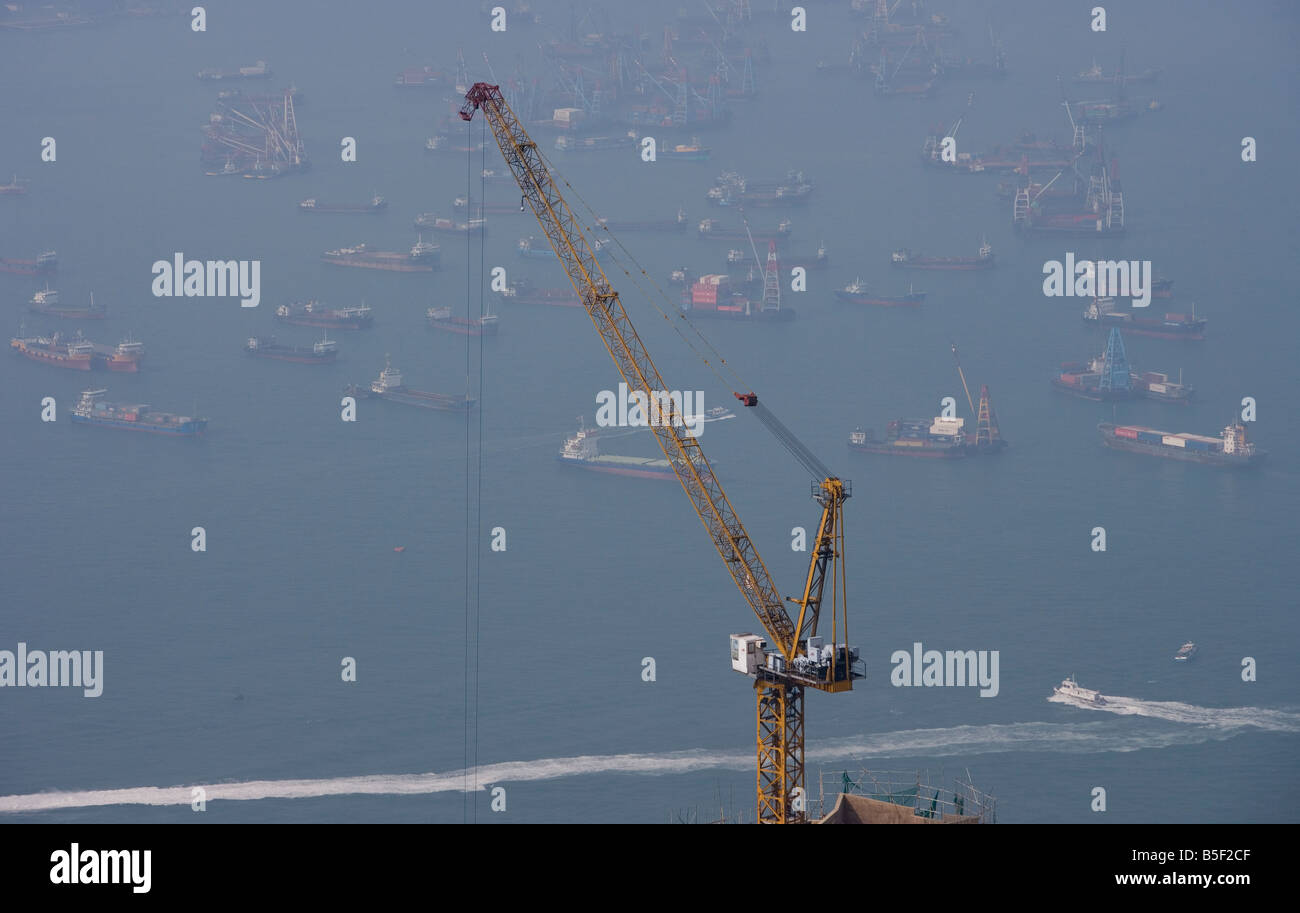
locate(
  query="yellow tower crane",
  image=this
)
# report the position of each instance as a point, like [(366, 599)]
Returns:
[(793, 656)]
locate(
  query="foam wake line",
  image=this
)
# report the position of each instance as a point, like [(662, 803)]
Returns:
[(1098, 736)]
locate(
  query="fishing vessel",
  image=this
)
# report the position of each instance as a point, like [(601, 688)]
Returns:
[(581, 451), (1071, 689), (440, 318), (91, 409), (1185, 652), (46, 301), (857, 292), (320, 353), (314, 314), (388, 386)]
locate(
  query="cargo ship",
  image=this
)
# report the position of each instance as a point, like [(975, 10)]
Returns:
[(581, 451), (732, 189), (91, 410), (523, 291), (430, 222), (44, 263), (424, 257), (678, 224), (46, 301), (1095, 76), (938, 438), (320, 353), (462, 204), (376, 204), (124, 357), (532, 248), (857, 293), (76, 355), (79, 354), (713, 296), (1169, 326), (388, 386), (595, 143), (688, 152), (1070, 688), (1230, 448), (420, 78), (712, 230), (1084, 381), (904, 258), (258, 70), (314, 314), (441, 319)]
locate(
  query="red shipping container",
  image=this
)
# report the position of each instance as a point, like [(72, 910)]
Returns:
[(1126, 432)]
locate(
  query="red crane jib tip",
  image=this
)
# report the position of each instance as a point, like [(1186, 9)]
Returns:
[(474, 98), (748, 399)]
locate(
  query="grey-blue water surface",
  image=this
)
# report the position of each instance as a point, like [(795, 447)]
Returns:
[(224, 666)]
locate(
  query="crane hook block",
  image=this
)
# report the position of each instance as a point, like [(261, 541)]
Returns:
[(748, 399)]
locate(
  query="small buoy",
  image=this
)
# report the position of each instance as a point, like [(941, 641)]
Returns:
[(400, 548)]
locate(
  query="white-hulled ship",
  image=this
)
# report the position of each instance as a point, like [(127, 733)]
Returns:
[(1070, 688), (1185, 652)]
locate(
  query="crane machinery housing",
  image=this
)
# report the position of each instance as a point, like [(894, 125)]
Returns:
[(793, 656)]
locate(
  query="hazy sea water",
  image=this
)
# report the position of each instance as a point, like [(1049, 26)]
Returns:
[(302, 511)]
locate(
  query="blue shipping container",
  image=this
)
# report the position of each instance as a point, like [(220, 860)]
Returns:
[(1197, 445), (1149, 437)]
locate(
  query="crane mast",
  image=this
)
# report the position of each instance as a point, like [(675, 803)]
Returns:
[(798, 658)]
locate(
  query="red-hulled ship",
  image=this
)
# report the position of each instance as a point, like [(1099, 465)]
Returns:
[(46, 262), (424, 257), (1166, 326), (76, 355)]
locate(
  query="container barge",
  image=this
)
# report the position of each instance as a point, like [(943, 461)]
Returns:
[(321, 353), (376, 204), (1084, 381), (92, 410), (581, 451), (314, 314), (1230, 448), (904, 258), (388, 386), (424, 257), (1169, 326), (937, 438)]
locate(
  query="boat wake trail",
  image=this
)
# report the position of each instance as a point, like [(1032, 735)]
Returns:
[(1095, 736), (1227, 718)]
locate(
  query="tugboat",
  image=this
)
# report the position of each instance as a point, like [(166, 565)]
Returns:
[(1070, 688)]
